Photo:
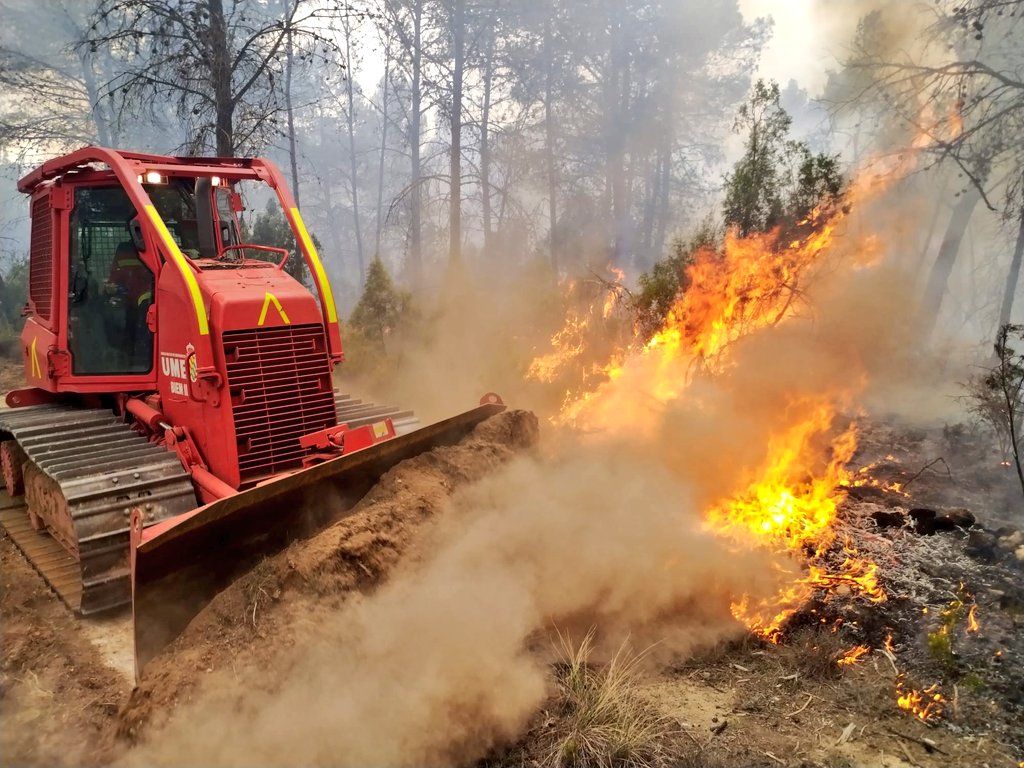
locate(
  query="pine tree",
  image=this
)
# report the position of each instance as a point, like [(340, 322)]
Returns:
[(381, 307)]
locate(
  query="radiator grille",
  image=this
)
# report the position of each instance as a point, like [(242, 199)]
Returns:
[(281, 389), (40, 264)]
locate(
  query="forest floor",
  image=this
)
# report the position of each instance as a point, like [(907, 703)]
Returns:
[(66, 697)]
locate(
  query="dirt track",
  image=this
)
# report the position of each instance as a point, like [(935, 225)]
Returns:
[(58, 696)]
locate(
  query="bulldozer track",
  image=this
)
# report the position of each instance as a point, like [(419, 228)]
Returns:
[(357, 413), (103, 469)]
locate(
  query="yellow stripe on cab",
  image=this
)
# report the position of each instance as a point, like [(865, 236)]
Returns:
[(314, 257), (183, 267)]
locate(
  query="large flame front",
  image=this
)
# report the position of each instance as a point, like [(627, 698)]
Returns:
[(789, 502)]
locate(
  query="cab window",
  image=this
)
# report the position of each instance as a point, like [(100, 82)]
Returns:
[(110, 289), (175, 201)]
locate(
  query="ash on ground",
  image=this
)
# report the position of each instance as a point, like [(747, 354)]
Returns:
[(940, 514)]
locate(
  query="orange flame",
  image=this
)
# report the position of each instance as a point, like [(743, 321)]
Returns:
[(781, 508), (927, 705), (972, 619), (753, 283), (853, 655)]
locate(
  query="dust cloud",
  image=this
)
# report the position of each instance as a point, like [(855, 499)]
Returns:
[(473, 337), (448, 660)]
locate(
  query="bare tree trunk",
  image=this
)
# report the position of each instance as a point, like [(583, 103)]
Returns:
[(664, 181), (621, 213), (651, 181), (326, 177), (549, 141), (455, 182), (415, 118), (221, 72), (383, 151), (103, 133), (485, 143), (933, 224), (938, 278), (107, 73), (353, 169), (290, 114), (1013, 278)]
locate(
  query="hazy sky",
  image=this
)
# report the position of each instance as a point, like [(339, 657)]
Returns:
[(809, 37)]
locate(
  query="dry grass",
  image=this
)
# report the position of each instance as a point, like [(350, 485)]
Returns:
[(261, 587), (602, 721), (813, 654)]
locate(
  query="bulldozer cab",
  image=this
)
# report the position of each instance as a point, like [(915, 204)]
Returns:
[(111, 285), (114, 234)]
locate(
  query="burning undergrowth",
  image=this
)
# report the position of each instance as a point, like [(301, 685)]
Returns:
[(752, 391)]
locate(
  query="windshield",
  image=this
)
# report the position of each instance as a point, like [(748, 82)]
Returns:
[(175, 201), (241, 213)]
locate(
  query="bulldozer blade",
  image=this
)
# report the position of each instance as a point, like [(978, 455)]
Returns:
[(179, 565)]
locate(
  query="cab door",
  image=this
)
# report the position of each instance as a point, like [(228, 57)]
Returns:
[(109, 329)]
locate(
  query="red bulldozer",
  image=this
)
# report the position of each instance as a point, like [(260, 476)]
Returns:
[(179, 419)]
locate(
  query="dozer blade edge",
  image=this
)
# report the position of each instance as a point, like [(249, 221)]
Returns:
[(181, 564)]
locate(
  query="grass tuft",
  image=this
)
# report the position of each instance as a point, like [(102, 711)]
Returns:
[(813, 654), (603, 721), (261, 587)]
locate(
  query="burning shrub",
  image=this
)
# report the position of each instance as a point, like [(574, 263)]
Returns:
[(659, 288), (778, 194), (602, 719)]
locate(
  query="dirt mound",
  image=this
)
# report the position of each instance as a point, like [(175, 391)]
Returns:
[(280, 600), (57, 696)]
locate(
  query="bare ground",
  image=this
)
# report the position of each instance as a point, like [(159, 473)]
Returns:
[(64, 702), (58, 696), (12, 375)]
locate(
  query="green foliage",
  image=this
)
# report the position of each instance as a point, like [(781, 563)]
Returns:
[(754, 189), (778, 181), (940, 641), (381, 307), (973, 682), (941, 648), (658, 288), (13, 295), (819, 184), (272, 228)]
